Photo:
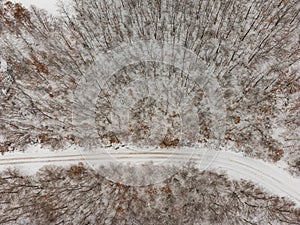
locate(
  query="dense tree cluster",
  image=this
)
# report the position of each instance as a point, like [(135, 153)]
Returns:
[(77, 195), (252, 47)]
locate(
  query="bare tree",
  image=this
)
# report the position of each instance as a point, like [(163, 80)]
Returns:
[(79, 195)]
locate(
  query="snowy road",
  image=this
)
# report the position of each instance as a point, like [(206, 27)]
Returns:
[(268, 176)]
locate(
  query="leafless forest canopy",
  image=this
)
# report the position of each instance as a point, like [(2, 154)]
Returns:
[(252, 48), (81, 196)]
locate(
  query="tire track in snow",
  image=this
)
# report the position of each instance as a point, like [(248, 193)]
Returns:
[(237, 166)]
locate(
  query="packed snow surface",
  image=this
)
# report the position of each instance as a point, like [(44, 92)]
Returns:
[(272, 177)]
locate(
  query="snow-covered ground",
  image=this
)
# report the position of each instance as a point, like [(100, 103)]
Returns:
[(273, 178), (3, 65), (49, 5)]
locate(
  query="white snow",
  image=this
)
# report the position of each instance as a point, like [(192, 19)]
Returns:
[(49, 5), (3, 65), (269, 176)]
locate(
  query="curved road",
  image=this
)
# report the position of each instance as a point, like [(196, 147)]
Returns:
[(268, 176)]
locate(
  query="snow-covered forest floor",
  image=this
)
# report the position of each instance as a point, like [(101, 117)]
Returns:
[(77, 195), (247, 61), (157, 75)]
